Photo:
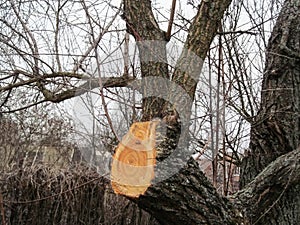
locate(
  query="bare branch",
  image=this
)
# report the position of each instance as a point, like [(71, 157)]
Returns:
[(168, 34), (107, 82), (96, 41)]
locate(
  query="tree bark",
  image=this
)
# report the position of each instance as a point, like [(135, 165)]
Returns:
[(188, 198), (274, 133), (262, 200), (151, 42), (276, 130), (201, 33)]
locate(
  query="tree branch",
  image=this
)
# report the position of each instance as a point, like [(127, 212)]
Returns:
[(197, 201), (33, 79), (151, 41), (89, 84), (141, 22), (201, 33), (259, 196), (107, 82), (168, 34)]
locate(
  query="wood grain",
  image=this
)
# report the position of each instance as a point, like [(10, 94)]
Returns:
[(133, 162)]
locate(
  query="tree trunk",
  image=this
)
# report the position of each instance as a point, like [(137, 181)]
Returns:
[(151, 42), (183, 197), (188, 198), (276, 130)]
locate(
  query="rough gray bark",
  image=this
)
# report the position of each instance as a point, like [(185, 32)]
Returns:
[(188, 198), (276, 130), (274, 133), (151, 41), (258, 200)]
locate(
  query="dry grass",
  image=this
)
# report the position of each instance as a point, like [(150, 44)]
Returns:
[(78, 195)]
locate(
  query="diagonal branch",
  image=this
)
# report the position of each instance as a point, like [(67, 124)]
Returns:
[(201, 33), (107, 82), (188, 197), (263, 193), (89, 84)]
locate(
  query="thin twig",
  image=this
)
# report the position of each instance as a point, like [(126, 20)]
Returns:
[(96, 41), (168, 34)]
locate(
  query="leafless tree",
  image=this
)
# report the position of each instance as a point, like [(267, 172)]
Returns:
[(55, 52)]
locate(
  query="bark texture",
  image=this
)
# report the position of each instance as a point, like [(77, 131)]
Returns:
[(257, 200), (274, 133), (151, 41), (188, 198), (201, 33), (276, 130)]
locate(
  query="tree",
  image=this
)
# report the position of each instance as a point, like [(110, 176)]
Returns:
[(270, 169), (275, 130)]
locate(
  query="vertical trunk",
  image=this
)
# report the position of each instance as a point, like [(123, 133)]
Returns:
[(151, 42), (276, 130), (186, 197), (180, 88)]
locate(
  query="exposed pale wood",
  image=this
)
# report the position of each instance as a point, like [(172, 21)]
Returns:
[(134, 160)]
